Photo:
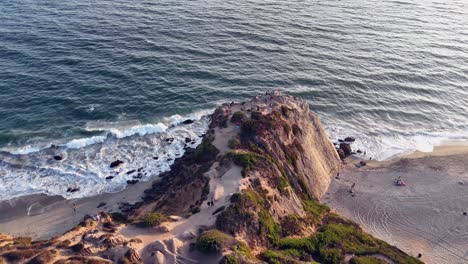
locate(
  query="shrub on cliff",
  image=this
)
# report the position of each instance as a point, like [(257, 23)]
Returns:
[(238, 117), (213, 241), (247, 160), (205, 152), (153, 219)]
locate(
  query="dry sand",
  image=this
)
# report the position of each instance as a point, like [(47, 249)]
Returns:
[(426, 216)]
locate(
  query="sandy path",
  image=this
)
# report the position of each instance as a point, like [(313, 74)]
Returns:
[(426, 216)]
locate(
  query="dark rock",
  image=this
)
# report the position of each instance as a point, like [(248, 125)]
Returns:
[(58, 157), (155, 158), (169, 140), (130, 172), (132, 181), (140, 169), (346, 147), (359, 151), (187, 140), (72, 190), (101, 205), (362, 163), (465, 213), (109, 177), (116, 163), (138, 176), (341, 153), (349, 139), (340, 140), (188, 121)]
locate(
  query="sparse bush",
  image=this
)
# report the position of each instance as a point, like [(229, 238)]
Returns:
[(153, 219)]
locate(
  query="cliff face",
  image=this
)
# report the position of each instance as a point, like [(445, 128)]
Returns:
[(298, 143)]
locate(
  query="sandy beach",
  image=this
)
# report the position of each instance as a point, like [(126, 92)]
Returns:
[(424, 217)]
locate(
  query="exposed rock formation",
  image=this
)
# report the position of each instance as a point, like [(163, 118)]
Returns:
[(261, 167)]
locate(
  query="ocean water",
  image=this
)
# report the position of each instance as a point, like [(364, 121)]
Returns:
[(112, 79)]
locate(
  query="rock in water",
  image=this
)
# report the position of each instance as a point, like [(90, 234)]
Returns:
[(58, 157), (188, 121), (109, 177), (349, 139), (129, 182), (116, 163)]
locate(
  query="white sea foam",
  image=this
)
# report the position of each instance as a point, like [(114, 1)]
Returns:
[(384, 146), (85, 165)]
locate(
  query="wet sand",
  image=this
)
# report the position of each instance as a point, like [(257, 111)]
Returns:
[(426, 216)]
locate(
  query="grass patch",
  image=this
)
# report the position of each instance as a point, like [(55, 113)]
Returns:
[(153, 219), (315, 208), (247, 160), (269, 227), (212, 241)]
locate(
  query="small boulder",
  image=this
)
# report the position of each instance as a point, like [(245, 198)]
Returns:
[(101, 205), (188, 121), (169, 140), (362, 163), (129, 182), (187, 140), (116, 163), (130, 172), (341, 153), (72, 190), (58, 157), (109, 177), (349, 139), (155, 158), (346, 148)]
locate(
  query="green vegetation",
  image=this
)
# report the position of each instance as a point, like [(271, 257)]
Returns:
[(234, 142), (205, 152), (367, 260), (269, 226), (212, 241), (315, 208), (153, 219), (238, 117), (339, 235), (283, 184), (279, 257), (230, 259), (247, 160)]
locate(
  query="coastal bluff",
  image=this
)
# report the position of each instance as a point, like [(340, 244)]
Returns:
[(249, 193)]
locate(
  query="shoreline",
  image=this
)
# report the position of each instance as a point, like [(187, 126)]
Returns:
[(427, 216)]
